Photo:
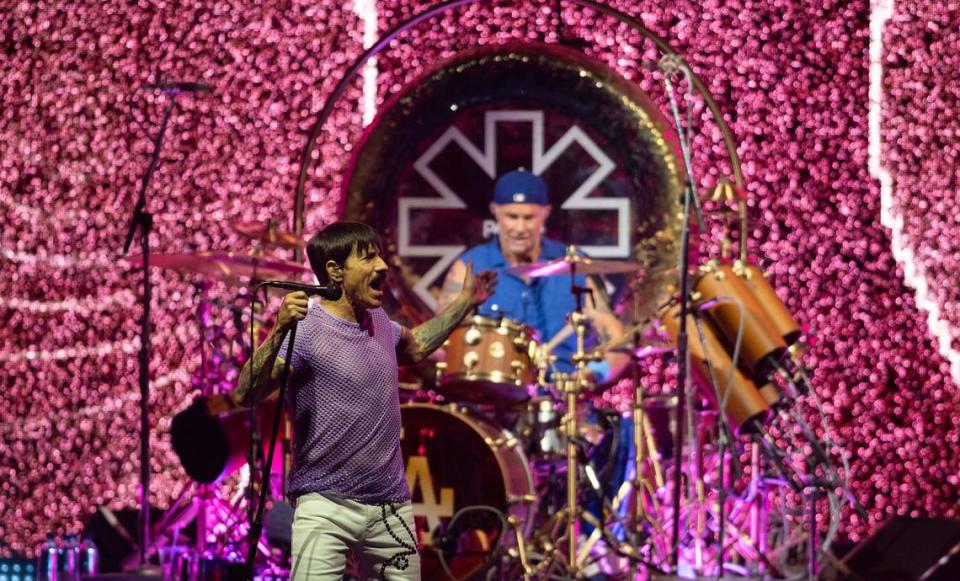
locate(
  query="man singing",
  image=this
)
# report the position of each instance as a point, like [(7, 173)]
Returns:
[(348, 477)]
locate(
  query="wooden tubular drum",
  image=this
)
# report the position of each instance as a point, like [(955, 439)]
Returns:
[(745, 405), (761, 339), (781, 318)]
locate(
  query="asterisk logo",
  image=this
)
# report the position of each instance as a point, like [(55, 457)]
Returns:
[(542, 157)]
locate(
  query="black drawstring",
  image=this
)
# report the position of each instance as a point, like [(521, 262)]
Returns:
[(401, 560)]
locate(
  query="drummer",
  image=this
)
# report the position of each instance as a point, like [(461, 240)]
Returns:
[(521, 207)]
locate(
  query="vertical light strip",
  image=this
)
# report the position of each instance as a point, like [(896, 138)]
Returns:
[(367, 11), (880, 13)]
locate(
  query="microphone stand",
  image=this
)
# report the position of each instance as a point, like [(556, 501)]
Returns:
[(668, 66), (256, 526), (254, 451), (142, 220)]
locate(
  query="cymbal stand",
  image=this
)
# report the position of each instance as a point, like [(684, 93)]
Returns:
[(571, 387), (691, 206)]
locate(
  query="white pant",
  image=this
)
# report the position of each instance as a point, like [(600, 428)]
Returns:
[(382, 539)]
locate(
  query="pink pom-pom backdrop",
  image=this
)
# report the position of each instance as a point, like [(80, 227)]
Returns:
[(791, 77)]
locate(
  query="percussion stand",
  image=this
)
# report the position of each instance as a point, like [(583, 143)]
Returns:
[(205, 495)]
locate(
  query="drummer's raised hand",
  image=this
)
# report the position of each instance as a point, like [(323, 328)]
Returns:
[(417, 343), (477, 288), (293, 309)]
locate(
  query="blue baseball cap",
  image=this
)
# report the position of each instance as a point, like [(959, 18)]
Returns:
[(520, 187)]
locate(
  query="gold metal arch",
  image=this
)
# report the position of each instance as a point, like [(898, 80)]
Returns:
[(443, 7)]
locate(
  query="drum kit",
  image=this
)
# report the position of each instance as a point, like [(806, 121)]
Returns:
[(512, 469), (513, 472), (521, 450)]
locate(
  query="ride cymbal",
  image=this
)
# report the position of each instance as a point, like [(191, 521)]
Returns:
[(226, 266)]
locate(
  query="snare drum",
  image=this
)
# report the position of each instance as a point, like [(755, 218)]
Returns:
[(456, 460), (488, 361)]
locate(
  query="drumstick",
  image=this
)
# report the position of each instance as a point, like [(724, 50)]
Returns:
[(561, 336)]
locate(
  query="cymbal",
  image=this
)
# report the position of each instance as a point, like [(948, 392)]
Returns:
[(226, 265), (268, 233), (565, 265)]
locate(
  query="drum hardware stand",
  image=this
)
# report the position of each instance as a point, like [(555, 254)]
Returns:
[(760, 507), (175, 517), (550, 552), (754, 531), (182, 510), (202, 494), (521, 549), (639, 487), (571, 387), (814, 493)]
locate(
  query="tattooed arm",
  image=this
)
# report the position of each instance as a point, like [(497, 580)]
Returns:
[(261, 374), (416, 344)]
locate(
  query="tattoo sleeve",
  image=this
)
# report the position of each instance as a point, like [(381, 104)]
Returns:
[(428, 336), (260, 374)]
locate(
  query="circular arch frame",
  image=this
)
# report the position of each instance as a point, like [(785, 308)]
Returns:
[(449, 5)]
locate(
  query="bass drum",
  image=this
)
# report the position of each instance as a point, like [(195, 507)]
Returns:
[(457, 462)]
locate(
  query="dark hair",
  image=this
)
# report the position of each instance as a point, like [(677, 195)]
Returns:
[(336, 242)]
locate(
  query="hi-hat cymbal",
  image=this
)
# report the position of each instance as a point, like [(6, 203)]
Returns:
[(568, 264), (268, 233), (226, 265)]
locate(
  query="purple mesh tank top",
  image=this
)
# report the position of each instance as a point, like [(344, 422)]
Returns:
[(345, 407)]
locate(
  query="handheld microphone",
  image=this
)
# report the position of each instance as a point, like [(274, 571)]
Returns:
[(177, 87), (331, 292)]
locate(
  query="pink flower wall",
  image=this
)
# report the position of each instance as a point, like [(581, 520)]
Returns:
[(791, 78)]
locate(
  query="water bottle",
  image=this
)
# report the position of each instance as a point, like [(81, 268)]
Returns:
[(47, 558), (67, 559), (89, 557)]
